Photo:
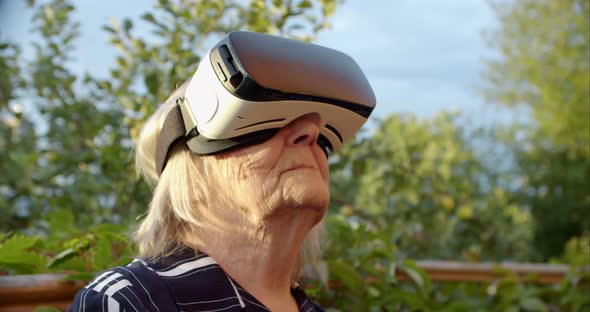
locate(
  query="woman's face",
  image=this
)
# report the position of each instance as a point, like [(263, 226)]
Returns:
[(286, 173)]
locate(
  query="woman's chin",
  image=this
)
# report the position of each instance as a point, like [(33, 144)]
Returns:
[(311, 194)]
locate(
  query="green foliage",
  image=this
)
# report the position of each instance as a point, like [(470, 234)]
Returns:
[(76, 153), (411, 188), (15, 253), (62, 246), (546, 59), (46, 309), (362, 261), (17, 141), (576, 287), (543, 72), (421, 180)]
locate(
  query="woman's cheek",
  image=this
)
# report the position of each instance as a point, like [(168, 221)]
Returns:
[(322, 162)]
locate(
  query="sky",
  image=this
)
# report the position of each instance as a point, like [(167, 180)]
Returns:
[(420, 56)]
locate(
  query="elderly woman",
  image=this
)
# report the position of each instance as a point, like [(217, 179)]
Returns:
[(238, 157)]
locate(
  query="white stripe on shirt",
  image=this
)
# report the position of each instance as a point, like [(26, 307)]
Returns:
[(113, 305), (185, 267), (148, 294), (97, 279), (130, 303), (206, 301), (105, 282), (86, 289), (242, 304), (116, 287), (256, 304)]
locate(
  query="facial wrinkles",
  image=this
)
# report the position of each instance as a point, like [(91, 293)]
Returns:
[(274, 190), (253, 174), (269, 180), (247, 172), (250, 163), (322, 162)]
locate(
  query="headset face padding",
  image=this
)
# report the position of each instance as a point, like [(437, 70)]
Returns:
[(250, 85)]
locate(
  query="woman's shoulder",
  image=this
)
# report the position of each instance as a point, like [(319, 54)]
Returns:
[(182, 281), (141, 285), (134, 287)]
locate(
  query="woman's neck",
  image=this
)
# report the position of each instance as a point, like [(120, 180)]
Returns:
[(262, 258)]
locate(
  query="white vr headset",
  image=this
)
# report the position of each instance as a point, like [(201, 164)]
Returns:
[(250, 85)]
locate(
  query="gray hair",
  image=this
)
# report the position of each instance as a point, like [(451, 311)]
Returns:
[(180, 211)]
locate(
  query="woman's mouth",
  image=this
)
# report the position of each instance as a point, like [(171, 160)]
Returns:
[(300, 167)]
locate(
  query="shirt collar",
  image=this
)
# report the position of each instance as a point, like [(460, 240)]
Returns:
[(196, 277)]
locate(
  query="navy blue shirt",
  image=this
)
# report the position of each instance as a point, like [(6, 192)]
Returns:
[(181, 282)]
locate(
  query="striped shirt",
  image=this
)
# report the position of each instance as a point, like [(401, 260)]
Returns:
[(181, 282)]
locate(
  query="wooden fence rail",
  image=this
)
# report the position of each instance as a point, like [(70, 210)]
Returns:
[(455, 271), (21, 293)]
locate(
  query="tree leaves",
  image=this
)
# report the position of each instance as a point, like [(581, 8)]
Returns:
[(424, 179), (16, 254), (71, 249), (543, 68), (81, 162)]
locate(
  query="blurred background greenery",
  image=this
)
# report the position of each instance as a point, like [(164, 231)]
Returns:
[(407, 188)]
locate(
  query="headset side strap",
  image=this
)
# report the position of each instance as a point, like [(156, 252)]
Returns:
[(172, 131)]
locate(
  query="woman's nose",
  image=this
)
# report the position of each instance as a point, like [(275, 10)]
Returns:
[(304, 130)]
